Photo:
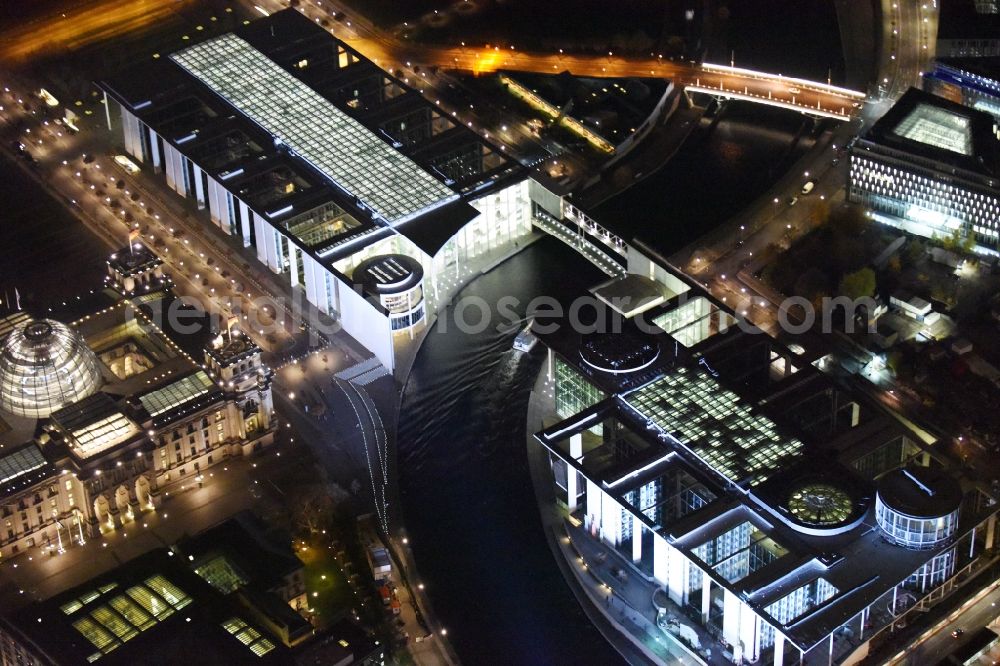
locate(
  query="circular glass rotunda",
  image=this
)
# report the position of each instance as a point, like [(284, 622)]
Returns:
[(45, 365)]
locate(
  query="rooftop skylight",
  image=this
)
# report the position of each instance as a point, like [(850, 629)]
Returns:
[(335, 144), (934, 126)]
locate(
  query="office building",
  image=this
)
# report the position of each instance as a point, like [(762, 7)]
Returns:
[(150, 610), (781, 514), (232, 594), (973, 82), (931, 167), (968, 29), (321, 161)]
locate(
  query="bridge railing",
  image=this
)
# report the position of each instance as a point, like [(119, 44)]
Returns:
[(816, 85), (843, 114)]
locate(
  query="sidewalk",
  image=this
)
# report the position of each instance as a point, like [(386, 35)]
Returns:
[(426, 644)]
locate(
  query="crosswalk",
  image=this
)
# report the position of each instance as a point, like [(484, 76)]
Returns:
[(363, 373), (367, 378)]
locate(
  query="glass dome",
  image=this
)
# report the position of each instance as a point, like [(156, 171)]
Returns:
[(45, 365), (820, 504)]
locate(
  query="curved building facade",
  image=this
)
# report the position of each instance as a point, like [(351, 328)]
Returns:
[(45, 365), (918, 508), (398, 280)]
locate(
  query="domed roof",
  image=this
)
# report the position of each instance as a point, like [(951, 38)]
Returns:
[(45, 365), (619, 352)]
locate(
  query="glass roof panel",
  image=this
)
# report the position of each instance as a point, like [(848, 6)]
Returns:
[(335, 144), (716, 425), (249, 636), (177, 393), (937, 127), (20, 462), (220, 574)]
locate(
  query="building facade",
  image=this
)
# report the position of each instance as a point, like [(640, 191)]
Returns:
[(930, 166), (152, 416), (967, 81)]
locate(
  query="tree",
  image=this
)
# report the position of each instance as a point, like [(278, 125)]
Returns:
[(852, 220), (859, 284), (311, 509), (915, 251)]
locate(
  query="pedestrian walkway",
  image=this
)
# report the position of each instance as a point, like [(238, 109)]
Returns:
[(590, 251), (369, 364), (366, 378)]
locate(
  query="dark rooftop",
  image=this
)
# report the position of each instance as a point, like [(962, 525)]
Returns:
[(920, 492), (432, 230), (342, 640), (133, 259), (150, 610), (619, 352), (959, 19), (244, 541)]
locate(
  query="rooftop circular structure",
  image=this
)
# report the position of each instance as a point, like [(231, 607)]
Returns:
[(918, 507), (389, 273), (45, 365), (619, 353), (398, 281), (824, 507)]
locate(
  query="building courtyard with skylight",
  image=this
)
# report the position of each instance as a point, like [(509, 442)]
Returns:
[(761, 497)]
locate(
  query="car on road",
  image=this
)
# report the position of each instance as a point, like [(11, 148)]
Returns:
[(957, 633), (794, 90), (808, 187), (127, 164), (792, 201)]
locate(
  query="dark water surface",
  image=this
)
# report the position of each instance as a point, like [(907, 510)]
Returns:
[(468, 503), (716, 173)]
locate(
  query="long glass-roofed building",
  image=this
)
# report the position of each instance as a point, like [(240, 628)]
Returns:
[(321, 161), (338, 146)]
